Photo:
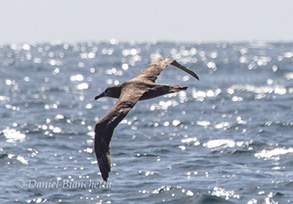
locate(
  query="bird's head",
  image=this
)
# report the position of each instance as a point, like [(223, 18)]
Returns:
[(111, 91)]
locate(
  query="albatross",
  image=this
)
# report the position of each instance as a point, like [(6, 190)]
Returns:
[(141, 87)]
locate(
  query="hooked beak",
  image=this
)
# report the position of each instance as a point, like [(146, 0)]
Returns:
[(100, 96)]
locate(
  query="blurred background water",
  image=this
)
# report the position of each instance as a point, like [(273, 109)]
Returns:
[(226, 139)]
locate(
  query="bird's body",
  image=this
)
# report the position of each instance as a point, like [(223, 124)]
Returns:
[(142, 87)]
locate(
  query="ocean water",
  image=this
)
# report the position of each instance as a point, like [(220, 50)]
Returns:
[(226, 139)]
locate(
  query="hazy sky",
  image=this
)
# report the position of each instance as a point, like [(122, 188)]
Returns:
[(125, 20)]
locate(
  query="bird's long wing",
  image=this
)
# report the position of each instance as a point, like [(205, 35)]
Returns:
[(105, 127), (153, 70)]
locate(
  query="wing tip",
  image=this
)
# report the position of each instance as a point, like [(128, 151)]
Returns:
[(105, 166), (186, 69)]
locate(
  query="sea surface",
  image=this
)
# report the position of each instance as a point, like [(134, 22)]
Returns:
[(226, 139)]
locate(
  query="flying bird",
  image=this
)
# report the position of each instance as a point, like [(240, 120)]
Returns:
[(141, 87)]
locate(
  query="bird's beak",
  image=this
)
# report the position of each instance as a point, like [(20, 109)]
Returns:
[(100, 96)]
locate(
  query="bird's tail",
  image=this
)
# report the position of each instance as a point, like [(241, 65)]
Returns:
[(183, 88), (176, 88)]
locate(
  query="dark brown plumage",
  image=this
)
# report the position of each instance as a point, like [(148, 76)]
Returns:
[(141, 87)]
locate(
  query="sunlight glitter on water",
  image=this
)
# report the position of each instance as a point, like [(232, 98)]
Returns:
[(200, 95), (223, 143), (221, 192), (276, 89), (289, 75), (203, 123), (193, 140), (274, 153), (77, 77), (12, 135), (164, 105), (18, 158), (82, 86)]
